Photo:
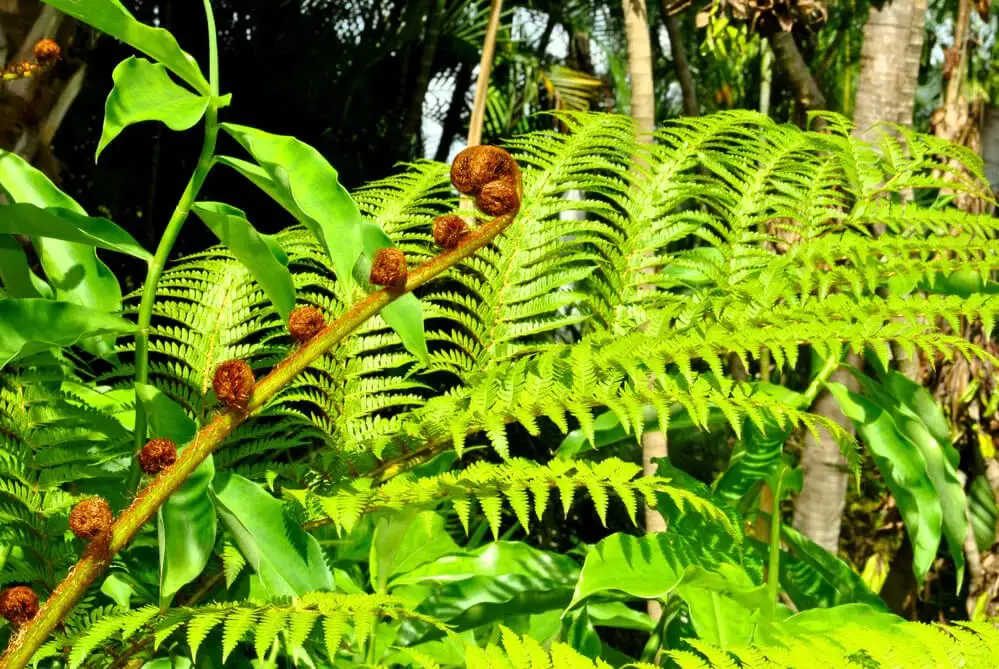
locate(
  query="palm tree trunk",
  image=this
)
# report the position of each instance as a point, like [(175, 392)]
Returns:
[(683, 75), (485, 69), (889, 64), (643, 104), (414, 115), (643, 110)]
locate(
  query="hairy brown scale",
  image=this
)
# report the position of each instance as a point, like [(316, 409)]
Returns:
[(157, 455), (233, 384), (305, 323), (389, 268), (90, 518), (477, 166), (18, 604), (450, 230)]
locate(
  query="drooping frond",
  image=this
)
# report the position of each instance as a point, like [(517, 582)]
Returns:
[(339, 619), (524, 485)]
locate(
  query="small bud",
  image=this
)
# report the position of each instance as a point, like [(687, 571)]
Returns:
[(498, 198), (90, 518), (47, 52), (388, 268), (450, 230), (157, 455), (233, 384), (18, 604), (305, 323), (478, 165)]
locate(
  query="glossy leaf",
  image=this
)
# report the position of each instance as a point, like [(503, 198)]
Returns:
[(725, 606), (143, 91), (904, 470), (253, 250), (983, 512), (75, 272), (644, 567), (67, 225), (305, 184), (31, 325), (187, 522), (16, 275), (486, 586), (289, 562), (404, 541), (109, 16), (817, 621)]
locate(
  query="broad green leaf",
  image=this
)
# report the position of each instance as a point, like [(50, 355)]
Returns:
[(118, 589), (17, 277), (404, 314), (725, 605), (486, 586), (818, 621), (289, 562), (187, 522), (645, 567), (619, 615), (813, 577), (32, 325), (75, 272), (143, 91), (166, 418), (109, 16), (983, 512), (904, 470), (579, 632), (912, 411), (67, 225), (253, 250), (303, 182), (405, 540)]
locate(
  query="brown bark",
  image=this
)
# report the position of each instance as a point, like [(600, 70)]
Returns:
[(792, 65), (889, 64), (485, 69), (683, 75), (643, 104), (411, 124)]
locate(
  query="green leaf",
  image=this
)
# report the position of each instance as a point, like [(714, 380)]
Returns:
[(187, 522), (405, 540), (487, 586), (404, 314), (109, 16), (166, 418), (644, 567), (66, 224), (305, 184), (619, 615), (983, 512), (17, 277), (32, 325), (289, 562), (904, 470), (118, 589), (912, 409), (725, 605), (253, 250), (143, 91), (75, 272), (818, 621)]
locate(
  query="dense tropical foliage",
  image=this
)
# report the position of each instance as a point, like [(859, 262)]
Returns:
[(717, 394)]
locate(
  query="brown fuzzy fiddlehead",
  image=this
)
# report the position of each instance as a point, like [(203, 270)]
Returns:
[(90, 518), (389, 268), (46, 52), (233, 384), (157, 455), (304, 323), (18, 604)]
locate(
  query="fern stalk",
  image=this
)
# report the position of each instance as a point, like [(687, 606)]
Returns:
[(98, 554), (169, 237)]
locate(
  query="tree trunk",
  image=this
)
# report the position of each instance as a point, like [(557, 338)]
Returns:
[(452, 121), (683, 75), (818, 513), (485, 69), (794, 67), (643, 104), (889, 64), (414, 115)]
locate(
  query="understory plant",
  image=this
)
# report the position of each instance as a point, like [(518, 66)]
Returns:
[(357, 442)]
